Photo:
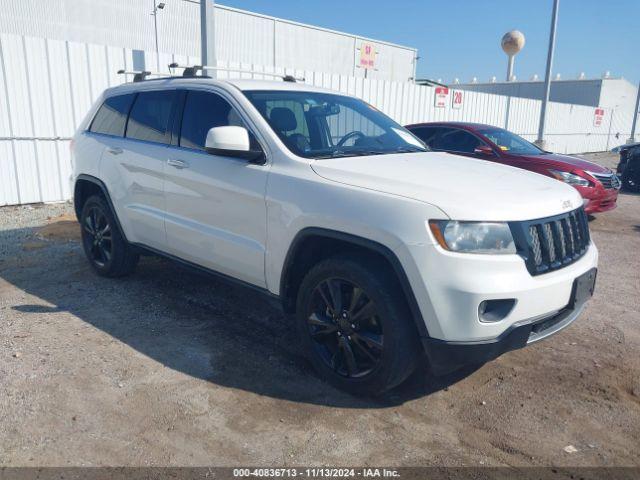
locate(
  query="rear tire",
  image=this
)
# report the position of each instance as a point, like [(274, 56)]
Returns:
[(108, 252), (355, 325)]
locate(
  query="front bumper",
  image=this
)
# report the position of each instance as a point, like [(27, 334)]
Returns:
[(598, 200), (445, 357), (449, 288)]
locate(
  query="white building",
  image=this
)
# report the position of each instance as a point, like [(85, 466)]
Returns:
[(240, 36), (599, 92)]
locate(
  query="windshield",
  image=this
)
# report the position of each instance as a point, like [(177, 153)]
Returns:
[(510, 142), (322, 125)]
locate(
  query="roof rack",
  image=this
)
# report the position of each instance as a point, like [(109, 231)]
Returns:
[(191, 71), (139, 75)]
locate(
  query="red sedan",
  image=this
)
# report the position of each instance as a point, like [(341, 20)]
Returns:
[(598, 185)]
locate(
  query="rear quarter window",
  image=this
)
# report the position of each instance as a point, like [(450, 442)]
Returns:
[(111, 117)]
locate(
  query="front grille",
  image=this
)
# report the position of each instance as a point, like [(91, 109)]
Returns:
[(551, 243), (610, 181)]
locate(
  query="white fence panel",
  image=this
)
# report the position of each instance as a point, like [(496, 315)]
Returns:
[(9, 194), (60, 88), (46, 88)]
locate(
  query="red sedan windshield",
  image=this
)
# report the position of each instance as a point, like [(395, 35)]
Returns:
[(510, 142)]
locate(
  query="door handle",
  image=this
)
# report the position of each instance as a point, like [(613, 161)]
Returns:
[(114, 150), (177, 163)]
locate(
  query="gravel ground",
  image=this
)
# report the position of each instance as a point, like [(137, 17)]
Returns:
[(16, 224), (168, 367)]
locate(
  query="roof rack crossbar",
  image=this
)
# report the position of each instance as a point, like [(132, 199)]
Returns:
[(190, 71), (139, 75)]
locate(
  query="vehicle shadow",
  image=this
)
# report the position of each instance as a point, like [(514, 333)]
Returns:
[(190, 322)]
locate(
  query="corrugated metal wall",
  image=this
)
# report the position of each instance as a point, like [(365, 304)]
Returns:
[(47, 86), (581, 92), (616, 93), (240, 35)]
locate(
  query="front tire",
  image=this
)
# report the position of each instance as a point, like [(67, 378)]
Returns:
[(355, 326), (108, 252)]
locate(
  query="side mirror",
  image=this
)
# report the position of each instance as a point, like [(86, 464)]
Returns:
[(232, 141), (484, 150)]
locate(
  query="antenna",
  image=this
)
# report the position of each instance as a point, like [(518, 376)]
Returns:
[(190, 71)]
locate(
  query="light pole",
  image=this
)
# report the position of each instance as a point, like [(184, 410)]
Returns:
[(512, 42), (635, 118), (547, 77), (207, 35), (613, 112), (157, 7)]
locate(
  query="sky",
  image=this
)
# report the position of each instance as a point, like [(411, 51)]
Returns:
[(461, 38)]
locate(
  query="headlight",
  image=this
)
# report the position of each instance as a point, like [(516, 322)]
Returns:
[(569, 178), (473, 237)]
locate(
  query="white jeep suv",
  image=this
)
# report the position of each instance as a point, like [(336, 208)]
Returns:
[(382, 249)]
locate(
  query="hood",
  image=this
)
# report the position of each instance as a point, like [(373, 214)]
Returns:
[(464, 188), (570, 162)]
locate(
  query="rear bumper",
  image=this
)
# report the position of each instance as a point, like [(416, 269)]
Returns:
[(445, 357)]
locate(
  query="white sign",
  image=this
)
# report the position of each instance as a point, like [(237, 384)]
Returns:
[(367, 55), (598, 117), (456, 99), (441, 97)]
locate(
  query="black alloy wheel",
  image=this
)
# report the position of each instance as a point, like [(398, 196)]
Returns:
[(345, 328), (98, 238), (106, 248), (354, 324)]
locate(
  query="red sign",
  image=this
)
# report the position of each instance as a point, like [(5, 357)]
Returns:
[(598, 117), (367, 55), (441, 97), (457, 99)]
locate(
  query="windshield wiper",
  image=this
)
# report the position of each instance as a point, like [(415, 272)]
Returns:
[(356, 153), (410, 150), (361, 153)]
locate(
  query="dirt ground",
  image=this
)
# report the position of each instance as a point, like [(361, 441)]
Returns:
[(169, 367)]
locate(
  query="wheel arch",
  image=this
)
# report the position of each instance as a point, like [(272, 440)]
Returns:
[(313, 244), (86, 186)]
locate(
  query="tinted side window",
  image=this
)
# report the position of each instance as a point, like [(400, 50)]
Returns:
[(112, 115), (150, 115), (457, 141), (427, 134), (203, 111)]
